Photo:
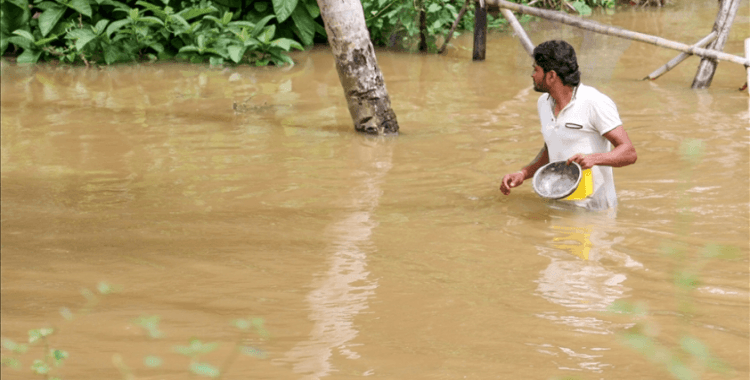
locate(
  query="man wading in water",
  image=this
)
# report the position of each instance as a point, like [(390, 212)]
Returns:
[(579, 124)]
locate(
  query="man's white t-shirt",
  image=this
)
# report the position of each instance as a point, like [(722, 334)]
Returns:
[(579, 128)]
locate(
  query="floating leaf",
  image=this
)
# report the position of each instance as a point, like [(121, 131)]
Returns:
[(252, 351), (694, 347), (151, 325), (37, 334), (39, 367), (721, 251), (204, 369), (15, 347), (686, 280), (152, 361), (11, 362)]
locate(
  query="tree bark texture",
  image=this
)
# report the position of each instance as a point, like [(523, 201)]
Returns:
[(681, 57), (423, 28), (480, 31), (359, 73), (617, 32), (724, 20)]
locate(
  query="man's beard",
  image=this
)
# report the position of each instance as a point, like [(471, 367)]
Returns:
[(539, 87)]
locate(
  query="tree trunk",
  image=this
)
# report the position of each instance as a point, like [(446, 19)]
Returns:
[(359, 73), (423, 28), (480, 31), (617, 32), (723, 23)]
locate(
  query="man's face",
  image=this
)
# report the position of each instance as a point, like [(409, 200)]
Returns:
[(539, 77)]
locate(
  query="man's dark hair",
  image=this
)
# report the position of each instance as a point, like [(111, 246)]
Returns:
[(559, 56)]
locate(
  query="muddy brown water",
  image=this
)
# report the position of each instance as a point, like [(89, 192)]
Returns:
[(394, 258)]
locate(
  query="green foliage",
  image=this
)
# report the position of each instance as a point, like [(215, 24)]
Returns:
[(111, 31), (53, 358), (690, 357)]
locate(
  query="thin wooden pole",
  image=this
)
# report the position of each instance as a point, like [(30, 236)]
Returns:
[(453, 28), (518, 29), (617, 32), (683, 56), (724, 20), (422, 27), (480, 31)]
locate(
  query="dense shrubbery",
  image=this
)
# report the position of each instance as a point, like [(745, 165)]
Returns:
[(109, 31), (215, 31)]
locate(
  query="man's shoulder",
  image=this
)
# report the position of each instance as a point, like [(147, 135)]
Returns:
[(590, 93)]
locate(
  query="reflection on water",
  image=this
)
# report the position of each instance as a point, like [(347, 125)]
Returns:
[(343, 290)]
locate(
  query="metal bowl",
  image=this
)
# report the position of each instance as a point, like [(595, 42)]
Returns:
[(557, 180)]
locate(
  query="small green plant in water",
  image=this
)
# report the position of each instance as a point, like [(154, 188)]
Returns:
[(689, 357), (53, 358)]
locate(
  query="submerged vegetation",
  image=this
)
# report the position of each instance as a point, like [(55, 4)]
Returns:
[(217, 31), (49, 358)]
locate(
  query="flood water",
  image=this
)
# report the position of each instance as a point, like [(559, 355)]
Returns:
[(396, 257)]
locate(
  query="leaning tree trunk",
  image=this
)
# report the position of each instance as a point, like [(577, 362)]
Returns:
[(359, 73), (723, 23)]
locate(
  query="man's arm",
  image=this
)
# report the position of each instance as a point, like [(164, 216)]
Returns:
[(623, 153), (516, 179)]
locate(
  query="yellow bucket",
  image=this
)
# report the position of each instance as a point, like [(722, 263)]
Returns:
[(585, 187)]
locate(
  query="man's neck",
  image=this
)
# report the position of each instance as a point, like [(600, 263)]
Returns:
[(562, 95)]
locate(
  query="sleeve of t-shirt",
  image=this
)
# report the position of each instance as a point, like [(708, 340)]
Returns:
[(604, 115)]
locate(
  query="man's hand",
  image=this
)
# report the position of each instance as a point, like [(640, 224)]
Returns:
[(587, 161), (512, 180)]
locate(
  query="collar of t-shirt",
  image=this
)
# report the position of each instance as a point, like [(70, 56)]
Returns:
[(551, 101)]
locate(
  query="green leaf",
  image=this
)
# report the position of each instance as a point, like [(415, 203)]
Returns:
[(694, 347), (11, 362), (20, 42), (82, 6), (153, 8), (111, 54), (260, 7), (721, 251), (216, 61), (189, 49), (687, 280), (227, 18), (99, 29), (260, 25), (15, 347), (252, 351), (283, 8), (82, 37), (39, 367), (152, 20), (434, 7), (286, 44), (191, 13), (267, 34), (312, 9), (37, 334), (204, 369), (236, 52), (152, 361), (24, 34), (116, 25), (305, 25), (150, 324)]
